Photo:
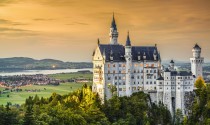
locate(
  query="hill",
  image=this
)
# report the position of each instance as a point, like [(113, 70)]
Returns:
[(24, 63)]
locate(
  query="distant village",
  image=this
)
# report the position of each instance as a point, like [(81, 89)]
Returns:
[(17, 81)]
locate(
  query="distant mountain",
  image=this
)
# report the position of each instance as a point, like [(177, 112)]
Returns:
[(24, 63)]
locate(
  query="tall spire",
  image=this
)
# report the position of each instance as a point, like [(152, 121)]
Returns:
[(113, 25), (128, 42), (98, 41), (113, 32)]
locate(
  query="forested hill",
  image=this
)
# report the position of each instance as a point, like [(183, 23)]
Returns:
[(83, 107), (23, 63)]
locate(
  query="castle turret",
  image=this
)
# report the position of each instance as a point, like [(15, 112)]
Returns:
[(172, 65), (197, 61), (113, 32), (128, 58)]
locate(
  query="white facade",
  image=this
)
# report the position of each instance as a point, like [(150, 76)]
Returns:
[(135, 68), (197, 62)]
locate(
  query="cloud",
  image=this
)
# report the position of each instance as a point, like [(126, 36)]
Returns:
[(6, 2), (77, 23), (4, 21), (57, 2), (14, 32), (42, 19)]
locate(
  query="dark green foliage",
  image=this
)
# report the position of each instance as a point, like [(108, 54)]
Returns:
[(8, 115), (201, 107), (83, 107), (136, 109)]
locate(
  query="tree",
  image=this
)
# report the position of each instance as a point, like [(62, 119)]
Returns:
[(29, 117), (178, 117), (112, 88), (200, 83), (185, 120)]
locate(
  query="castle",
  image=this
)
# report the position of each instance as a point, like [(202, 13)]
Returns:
[(130, 69)]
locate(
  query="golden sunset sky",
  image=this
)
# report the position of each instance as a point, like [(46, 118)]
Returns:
[(68, 29)]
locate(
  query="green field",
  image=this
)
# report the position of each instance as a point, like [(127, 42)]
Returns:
[(45, 90), (19, 97), (65, 76)]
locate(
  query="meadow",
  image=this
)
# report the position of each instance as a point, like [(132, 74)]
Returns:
[(45, 90)]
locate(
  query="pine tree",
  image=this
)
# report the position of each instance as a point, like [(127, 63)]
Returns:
[(29, 116)]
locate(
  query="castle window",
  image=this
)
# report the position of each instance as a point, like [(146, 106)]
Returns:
[(124, 78), (151, 82), (109, 71), (115, 77), (147, 71), (185, 87), (115, 83), (150, 71), (119, 77), (119, 83), (120, 89), (113, 65), (154, 82), (160, 83), (138, 77), (120, 71), (134, 71), (142, 77), (160, 87), (138, 82), (123, 83), (154, 88), (134, 83), (154, 71), (154, 77), (109, 78), (119, 65), (147, 82), (114, 71), (132, 77)]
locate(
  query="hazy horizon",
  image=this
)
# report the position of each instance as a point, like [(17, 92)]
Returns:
[(68, 30)]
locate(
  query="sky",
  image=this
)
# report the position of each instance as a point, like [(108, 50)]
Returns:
[(68, 29)]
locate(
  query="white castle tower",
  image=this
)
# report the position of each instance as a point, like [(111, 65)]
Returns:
[(128, 58), (113, 32), (197, 61)]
